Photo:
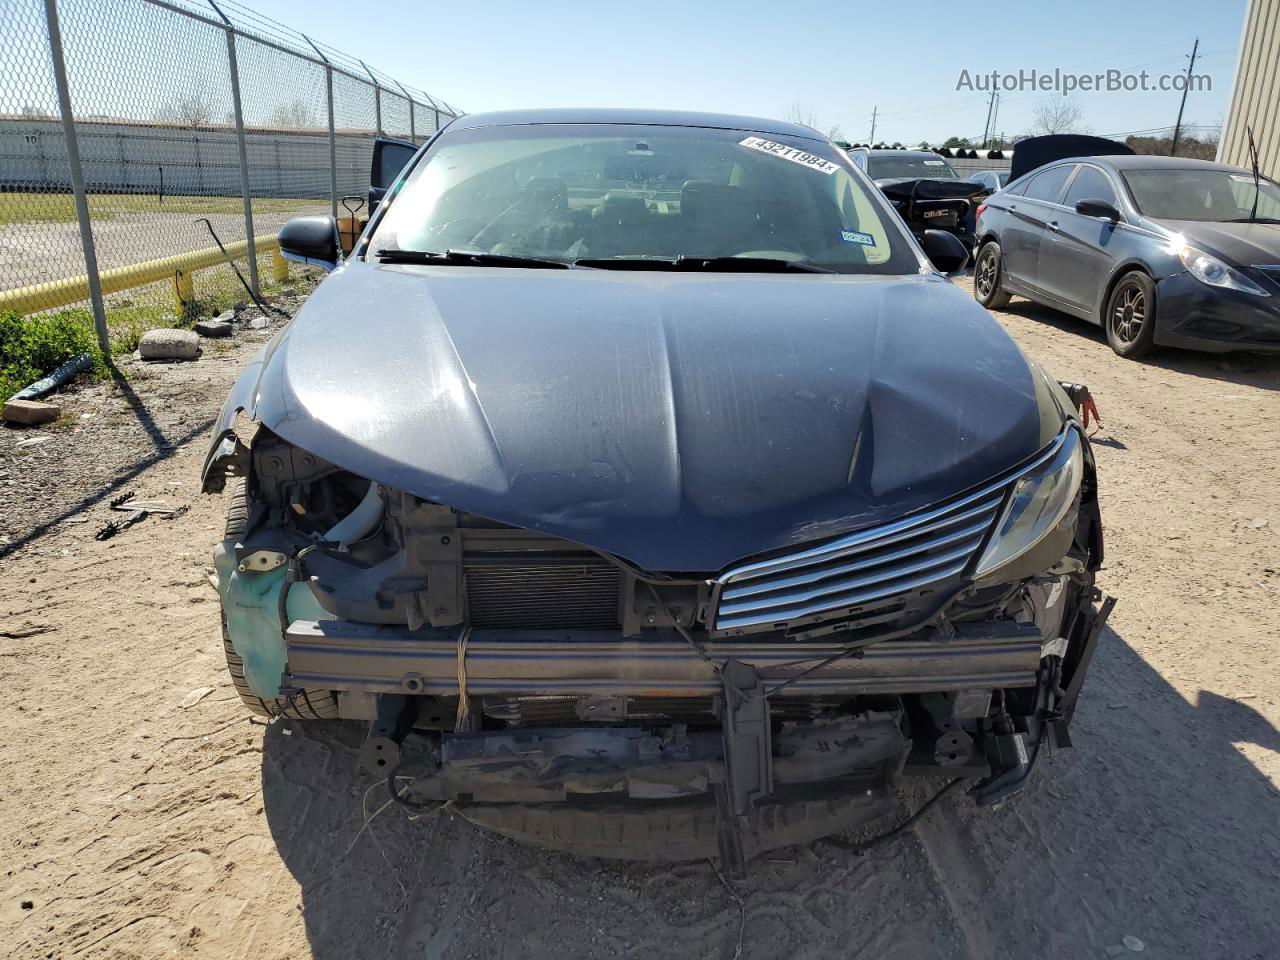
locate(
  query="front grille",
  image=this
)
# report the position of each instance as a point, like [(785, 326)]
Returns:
[(867, 578), (542, 593)]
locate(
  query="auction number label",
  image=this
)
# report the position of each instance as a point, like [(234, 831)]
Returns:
[(793, 154)]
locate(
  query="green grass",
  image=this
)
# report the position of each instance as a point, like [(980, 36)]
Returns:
[(31, 347), (61, 207)]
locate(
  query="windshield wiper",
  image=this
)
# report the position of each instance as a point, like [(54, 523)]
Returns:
[(707, 264), (1253, 220), (467, 258)]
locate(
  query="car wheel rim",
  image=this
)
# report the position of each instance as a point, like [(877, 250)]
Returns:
[(1129, 314), (986, 274)]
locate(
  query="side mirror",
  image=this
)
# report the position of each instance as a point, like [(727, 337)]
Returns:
[(310, 240), (1098, 208), (945, 250)]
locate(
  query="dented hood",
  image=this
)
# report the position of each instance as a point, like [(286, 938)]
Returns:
[(679, 421)]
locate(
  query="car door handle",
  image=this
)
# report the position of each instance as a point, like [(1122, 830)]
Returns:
[(1053, 225)]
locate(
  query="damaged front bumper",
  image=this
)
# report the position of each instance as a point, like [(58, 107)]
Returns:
[(644, 788)]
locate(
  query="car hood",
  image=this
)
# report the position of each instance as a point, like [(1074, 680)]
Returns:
[(679, 421), (1241, 243)]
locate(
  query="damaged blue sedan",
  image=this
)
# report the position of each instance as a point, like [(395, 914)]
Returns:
[(651, 492)]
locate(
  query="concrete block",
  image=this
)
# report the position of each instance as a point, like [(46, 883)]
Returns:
[(169, 345), (213, 328), (31, 412)]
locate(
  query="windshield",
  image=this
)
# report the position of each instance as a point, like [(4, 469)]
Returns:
[(1211, 195), (635, 193), (882, 168)]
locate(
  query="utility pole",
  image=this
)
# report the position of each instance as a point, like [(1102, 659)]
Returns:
[(986, 128), (872, 141), (1177, 127), (995, 116)]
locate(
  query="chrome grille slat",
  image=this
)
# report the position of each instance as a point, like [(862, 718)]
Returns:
[(837, 603), (839, 588), (976, 530), (872, 569)]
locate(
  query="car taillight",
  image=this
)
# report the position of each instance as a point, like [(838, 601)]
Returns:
[(981, 207)]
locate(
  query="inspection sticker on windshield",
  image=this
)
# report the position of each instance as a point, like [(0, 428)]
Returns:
[(790, 153), (856, 236)]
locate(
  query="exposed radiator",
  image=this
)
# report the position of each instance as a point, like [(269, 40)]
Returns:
[(543, 593)]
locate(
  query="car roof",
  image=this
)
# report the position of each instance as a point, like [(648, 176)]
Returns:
[(928, 154), (662, 118), (1146, 161)]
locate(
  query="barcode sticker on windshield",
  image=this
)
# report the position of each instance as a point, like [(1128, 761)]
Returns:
[(790, 153)]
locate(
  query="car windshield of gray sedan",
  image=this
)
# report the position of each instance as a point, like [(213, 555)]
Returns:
[(640, 197), (1210, 195)]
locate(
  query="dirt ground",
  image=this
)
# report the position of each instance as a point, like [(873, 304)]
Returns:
[(143, 814)]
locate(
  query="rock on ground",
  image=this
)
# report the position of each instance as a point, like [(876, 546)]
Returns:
[(169, 345)]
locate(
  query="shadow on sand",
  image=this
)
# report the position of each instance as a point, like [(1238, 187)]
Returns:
[(1261, 370)]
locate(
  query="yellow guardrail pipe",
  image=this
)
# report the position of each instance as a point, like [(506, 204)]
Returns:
[(178, 268)]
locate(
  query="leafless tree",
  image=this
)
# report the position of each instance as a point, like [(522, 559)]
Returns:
[(803, 114), (1056, 115), (296, 113), (187, 110)]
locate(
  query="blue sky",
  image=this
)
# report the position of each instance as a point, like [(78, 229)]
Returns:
[(837, 59)]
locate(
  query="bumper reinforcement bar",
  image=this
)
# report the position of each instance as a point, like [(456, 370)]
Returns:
[(342, 655)]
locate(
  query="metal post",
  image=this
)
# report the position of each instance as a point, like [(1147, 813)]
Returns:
[(242, 146), (377, 95), (413, 128), (333, 132), (333, 149), (77, 176), (407, 96)]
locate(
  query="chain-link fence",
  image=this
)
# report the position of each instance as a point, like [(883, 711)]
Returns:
[(168, 121)]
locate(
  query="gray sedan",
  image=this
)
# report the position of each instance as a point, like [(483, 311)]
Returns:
[(1158, 250)]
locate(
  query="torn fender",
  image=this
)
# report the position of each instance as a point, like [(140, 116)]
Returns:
[(229, 454)]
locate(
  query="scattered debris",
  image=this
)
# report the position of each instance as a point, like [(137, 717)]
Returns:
[(137, 510), (56, 379), (1133, 943), (259, 323), (31, 412), (195, 696), (27, 905), (31, 442), (168, 344), (214, 328)]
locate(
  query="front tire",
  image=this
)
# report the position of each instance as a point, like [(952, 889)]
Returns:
[(1130, 317), (988, 273)]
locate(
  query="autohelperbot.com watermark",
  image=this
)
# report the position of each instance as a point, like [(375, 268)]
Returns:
[(1065, 82)]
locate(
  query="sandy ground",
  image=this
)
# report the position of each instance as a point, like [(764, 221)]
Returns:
[(143, 815)]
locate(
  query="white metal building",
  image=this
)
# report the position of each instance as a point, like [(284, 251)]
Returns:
[(1255, 99)]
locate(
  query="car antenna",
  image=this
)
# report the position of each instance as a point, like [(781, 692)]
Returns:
[(1257, 186)]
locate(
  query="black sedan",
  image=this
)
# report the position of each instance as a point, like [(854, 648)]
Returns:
[(1161, 251), (645, 467)]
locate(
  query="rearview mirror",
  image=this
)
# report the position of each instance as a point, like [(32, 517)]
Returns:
[(1098, 208), (310, 240), (945, 250)]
